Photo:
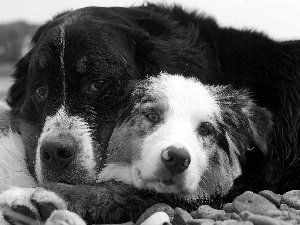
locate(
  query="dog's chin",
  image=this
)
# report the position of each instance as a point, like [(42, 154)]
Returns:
[(66, 178), (178, 186)]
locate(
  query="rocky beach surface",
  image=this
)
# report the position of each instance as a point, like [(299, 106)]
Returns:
[(264, 208)]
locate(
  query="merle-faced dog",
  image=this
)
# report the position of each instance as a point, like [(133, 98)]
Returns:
[(182, 137), (69, 89)]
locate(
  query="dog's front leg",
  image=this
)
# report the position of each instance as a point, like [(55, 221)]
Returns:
[(35, 206), (107, 202)]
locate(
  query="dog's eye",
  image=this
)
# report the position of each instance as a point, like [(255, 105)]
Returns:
[(153, 117), (41, 92), (97, 85), (204, 129)]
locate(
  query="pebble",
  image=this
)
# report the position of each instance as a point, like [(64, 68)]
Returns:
[(246, 209), (160, 207), (233, 216), (228, 208), (265, 220), (291, 199), (64, 217), (181, 217), (201, 222), (128, 223), (272, 197), (249, 201), (158, 218), (245, 223), (284, 207), (291, 216), (205, 211), (226, 222), (244, 215)]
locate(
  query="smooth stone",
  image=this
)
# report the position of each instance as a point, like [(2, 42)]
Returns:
[(244, 215), (245, 223), (233, 222), (291, 216), (64, 217), (205, 211), (272, 197), (233, 216), (181, 217), (160, 207), (158, 218), (291, 199), (201, 222), (128, 223), (228, 208), (249, 201), (284, 207), (265, 220)]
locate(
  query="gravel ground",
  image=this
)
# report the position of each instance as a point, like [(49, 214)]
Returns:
[(264, 208)]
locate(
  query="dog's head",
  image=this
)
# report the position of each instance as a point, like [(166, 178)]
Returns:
[(69, 88), (182, 137), (67, 92)]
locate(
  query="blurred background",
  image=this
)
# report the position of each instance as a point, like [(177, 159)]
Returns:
[(20, 18)]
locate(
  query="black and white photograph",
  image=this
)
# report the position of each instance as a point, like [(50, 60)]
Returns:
[(162, 112)]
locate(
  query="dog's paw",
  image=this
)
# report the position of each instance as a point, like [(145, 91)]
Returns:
[(30, 204)]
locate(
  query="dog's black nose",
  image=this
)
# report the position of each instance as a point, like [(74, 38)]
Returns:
[(176, 159), (58, 152)]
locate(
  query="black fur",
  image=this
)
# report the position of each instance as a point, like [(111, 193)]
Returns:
[(115, 202), (153, 38)]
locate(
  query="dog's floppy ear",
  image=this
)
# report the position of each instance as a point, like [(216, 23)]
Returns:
[(259, 123), (247, 124), (17, 92)]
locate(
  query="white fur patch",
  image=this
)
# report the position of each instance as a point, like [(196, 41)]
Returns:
[(13, 169), (117, 172), (61, 122), (17, 196), (2, 220), (157, 218), (64, 217), (185, 97), (62, 63)]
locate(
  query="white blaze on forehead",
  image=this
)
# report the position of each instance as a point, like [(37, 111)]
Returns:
[(61, 57), (61, 122), (185, 97)]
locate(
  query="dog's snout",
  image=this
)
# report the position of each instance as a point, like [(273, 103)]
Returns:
[(58, 152), (176, 159)]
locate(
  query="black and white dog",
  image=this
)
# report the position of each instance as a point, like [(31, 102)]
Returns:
[(72, 86), (182, 137)]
